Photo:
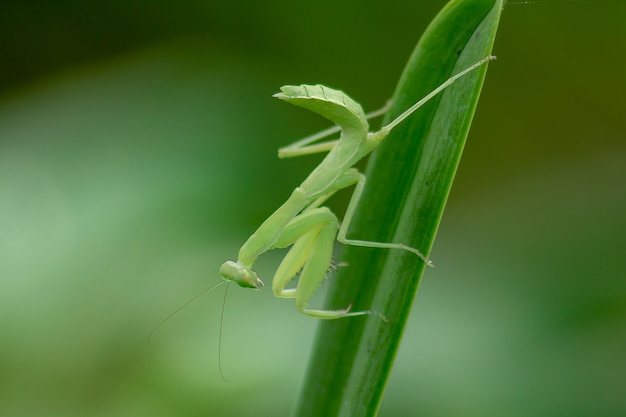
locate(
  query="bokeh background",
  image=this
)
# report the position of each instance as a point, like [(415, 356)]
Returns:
[(138, 151)]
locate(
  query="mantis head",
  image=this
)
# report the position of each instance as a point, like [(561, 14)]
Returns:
[(243, 276)]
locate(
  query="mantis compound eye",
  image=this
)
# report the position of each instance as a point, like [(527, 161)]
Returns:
[(243, 276)]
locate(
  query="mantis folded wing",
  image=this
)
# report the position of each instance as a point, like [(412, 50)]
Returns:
[(301, 222)]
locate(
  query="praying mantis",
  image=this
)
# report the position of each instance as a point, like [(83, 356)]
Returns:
[(302, 222)]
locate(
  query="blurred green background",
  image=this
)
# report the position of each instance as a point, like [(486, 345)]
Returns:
[(138, 151)]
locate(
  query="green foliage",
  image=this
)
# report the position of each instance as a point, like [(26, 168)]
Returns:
[(138, 152)]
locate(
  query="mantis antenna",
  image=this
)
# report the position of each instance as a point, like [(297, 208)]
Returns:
[(179, 309)]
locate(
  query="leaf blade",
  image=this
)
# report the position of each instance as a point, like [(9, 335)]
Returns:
[(352, 358)]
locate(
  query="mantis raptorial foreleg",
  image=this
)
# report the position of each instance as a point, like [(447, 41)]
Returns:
[(312, 234), (301, 221)]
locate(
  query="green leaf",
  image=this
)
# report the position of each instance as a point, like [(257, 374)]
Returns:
[(409, 178)]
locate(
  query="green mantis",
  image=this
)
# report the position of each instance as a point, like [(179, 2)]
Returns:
[(302, 222)]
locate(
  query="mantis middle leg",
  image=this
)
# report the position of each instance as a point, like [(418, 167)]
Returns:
[(351, 177)]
